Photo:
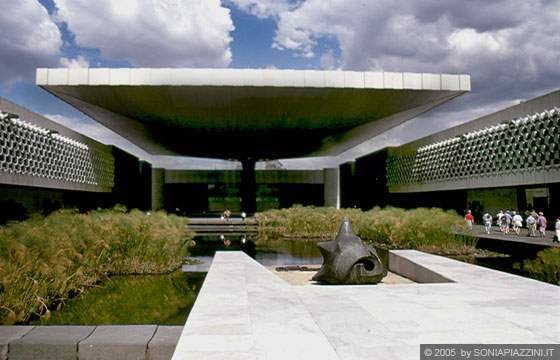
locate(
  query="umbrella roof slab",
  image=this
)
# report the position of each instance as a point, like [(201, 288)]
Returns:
[(249, 113)]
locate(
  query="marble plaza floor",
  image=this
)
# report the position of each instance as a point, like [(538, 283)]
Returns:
[(244, 311)]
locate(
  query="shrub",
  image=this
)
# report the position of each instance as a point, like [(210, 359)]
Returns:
[(300, 221), (45, 260), (545, 267)]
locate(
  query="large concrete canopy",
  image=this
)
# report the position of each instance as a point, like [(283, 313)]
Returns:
[(249, 113)]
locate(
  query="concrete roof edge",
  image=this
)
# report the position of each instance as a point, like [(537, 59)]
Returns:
[(250, 77)]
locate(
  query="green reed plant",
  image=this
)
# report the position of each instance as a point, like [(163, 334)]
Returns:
[(300, 221), (46, 260), (431, 230), (545, 267)]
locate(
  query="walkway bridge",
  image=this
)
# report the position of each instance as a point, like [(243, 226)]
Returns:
[(232, 226)]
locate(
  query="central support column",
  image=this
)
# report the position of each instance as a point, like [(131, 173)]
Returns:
[(248, 186)]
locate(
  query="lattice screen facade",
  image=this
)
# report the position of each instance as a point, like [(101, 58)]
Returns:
[(30, 150), (520, 146)]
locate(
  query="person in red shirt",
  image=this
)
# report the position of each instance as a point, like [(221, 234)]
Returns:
[(469, 219)]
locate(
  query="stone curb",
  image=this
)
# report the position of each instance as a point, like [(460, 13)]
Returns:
[(151, 342)]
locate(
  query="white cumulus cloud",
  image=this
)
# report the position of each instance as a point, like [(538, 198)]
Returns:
[(327, 60), (500, 43), (508, 47), (264, 8), (152, 33), (79, 62), (29, 38)]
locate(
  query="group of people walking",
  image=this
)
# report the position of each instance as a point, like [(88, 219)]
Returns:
[(506, 220)]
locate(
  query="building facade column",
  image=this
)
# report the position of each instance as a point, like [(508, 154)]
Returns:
[(332, 187), (248, 186), (158, 180)]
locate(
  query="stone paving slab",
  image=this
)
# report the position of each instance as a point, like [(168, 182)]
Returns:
[(247, 312), (109, 342), (49, 342), (9, 334), (163, 343), (117, 342)]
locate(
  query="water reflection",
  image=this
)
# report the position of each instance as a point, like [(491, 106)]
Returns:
[(280, 251), (135, 299), (269, 252), (168, 299)]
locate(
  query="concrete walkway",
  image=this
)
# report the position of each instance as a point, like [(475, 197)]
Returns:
[(244, 311), (234, 220), (496, 234), (216, 225)]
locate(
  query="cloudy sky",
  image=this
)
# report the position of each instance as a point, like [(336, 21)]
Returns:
[(510, 48)]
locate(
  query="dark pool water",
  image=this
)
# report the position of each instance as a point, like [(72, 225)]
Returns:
[(135, 299), (275, 252), (267, 252), (168, 299)]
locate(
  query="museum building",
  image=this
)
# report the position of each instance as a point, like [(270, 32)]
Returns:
[(509, 159)]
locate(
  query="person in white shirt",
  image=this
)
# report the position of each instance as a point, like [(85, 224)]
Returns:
[(499, 219), (487, 222), (517, 223)]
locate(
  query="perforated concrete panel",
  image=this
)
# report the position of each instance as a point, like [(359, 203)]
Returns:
[(30, 150), (518, 147)]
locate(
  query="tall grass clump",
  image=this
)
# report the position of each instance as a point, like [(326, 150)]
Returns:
[(303, 221), (430, 230), (46, 260)]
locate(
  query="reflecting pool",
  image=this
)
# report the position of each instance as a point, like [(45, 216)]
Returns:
[(168, 299), (268, 252), (134, 299)]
